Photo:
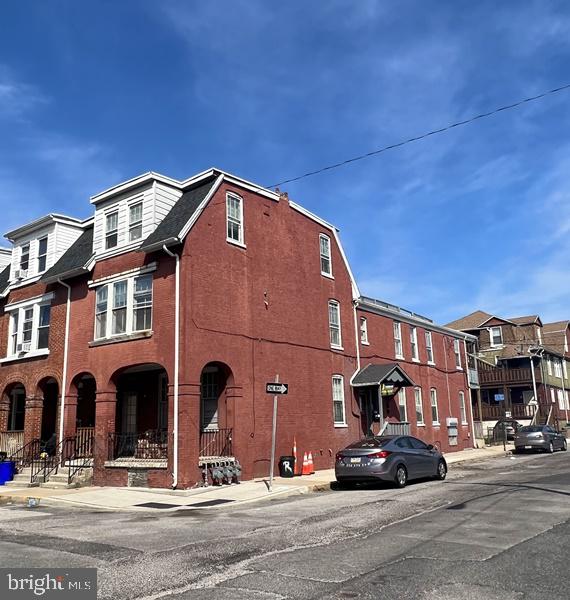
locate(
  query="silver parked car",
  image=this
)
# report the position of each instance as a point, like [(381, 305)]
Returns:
[(395, 458), (539, 437)]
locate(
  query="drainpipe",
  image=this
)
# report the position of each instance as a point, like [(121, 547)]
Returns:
[(474, 441), (176, 361), (65, 354), (357, 339)]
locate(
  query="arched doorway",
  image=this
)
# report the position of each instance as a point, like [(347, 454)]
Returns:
[(86, 389), (141, 418), (49, 389), (13, 437), (216, 415)]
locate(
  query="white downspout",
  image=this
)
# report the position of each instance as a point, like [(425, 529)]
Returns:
[(65, 354), (176, 361), (474, 441), (357, 338)]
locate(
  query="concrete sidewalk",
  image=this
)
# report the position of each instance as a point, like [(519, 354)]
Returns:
[(146, 499)]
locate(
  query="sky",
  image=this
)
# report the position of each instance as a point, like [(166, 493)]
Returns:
[(93, 93)]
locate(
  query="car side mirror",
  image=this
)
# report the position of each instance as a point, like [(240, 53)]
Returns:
[(430, 447)]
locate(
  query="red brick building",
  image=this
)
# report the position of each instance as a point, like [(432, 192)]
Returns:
[(185, 299)]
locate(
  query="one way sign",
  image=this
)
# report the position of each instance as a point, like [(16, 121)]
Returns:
[(276, 388)]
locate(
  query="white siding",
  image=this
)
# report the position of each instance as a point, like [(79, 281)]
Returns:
[(65, 236), (5, 258), (158, 200)]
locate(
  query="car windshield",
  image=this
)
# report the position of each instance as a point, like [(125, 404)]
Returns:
[(530, 428), (375, 442)]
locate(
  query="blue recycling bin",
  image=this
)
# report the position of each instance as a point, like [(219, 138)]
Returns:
[(7, 469)]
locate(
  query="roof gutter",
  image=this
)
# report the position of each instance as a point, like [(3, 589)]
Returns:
[(171, 241)]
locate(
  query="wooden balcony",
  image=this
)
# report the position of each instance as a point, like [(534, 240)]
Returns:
[(497, 376), (495, 411)]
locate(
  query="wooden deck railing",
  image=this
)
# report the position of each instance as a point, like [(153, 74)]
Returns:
[(492, 411)]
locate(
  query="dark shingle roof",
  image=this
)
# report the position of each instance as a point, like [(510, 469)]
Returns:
[(75, 258), (376, 374), (171, 226), (4, 277), (528, 320), (471, 321)]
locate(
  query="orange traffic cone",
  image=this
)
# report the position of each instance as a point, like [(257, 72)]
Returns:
[(311, 464), (297, 470), (306, 470)]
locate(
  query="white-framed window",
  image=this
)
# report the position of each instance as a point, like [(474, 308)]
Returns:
[(539, 334), (564, 369), (135, 221), (434, 409), (234, 218), (496, 335), (429, 347), (419, 406), (560, 395), (25, 257), (338, 400), (414, 342), (363, 330), (457, 352), (402, 405), (552, 396), (462, 409), (398, 350), (549, 365), (558, 368), (325, 253), (334, 324), (111, 229), (42, 254), (566, 400), (29, 328), (123, 307)]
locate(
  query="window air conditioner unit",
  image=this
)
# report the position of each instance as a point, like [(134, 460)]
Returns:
[(20, 273), (23, 348)]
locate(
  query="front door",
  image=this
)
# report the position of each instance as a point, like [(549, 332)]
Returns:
[(369, 410)]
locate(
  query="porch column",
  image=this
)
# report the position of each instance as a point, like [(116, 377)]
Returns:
[(33, 418), (105, 410), (188, 433), (70, 415)]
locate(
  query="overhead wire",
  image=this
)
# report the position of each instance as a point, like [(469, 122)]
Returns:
[(424, 135)]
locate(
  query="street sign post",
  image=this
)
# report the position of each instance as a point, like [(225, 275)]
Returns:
[(276, 389)]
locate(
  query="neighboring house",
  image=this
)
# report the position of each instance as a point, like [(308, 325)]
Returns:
[(523, 367), (185, 299)]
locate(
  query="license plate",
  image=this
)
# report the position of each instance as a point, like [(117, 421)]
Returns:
[(355, 460), (527, 447)]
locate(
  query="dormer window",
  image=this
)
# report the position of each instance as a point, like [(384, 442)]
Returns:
[(42, 254), (496, 334), (25, 257), (135, 221), (111, 230)]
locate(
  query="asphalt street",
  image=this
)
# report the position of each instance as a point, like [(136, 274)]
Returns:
[(495, 529)]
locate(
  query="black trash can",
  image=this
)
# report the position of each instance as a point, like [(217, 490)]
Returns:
[(287, 466)]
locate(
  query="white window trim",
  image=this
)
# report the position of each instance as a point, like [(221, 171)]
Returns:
[(130, 225), (43, 299), (342, 423), (324, 273), (399, 338), (129, 308), (421, 423), (493, 345), (20, 308), (151, 267), (337, 304), (402, 395), (364, 331), (464, 412), (241, 241), (39, 256), (430, 346), (414, 343), (112, 211), (457, 354), (435, 423)]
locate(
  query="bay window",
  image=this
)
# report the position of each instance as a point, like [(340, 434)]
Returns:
[(123, 307)]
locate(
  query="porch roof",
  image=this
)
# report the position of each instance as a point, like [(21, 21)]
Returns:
[(373, 374)]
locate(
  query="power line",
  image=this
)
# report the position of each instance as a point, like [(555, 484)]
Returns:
[(425, 135)]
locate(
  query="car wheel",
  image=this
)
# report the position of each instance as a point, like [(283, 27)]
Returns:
[(551, 448), (564, 446), (441, 471), (401, 477)]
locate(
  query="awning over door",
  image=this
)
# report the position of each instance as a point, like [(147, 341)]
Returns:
[(390, 374)]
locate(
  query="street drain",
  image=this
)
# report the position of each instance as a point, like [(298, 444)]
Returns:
[(157, 505), (211, 502)]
